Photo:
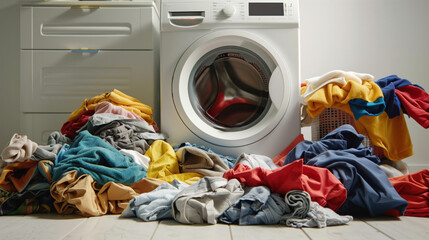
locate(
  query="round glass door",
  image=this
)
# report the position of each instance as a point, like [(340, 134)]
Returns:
[(228, 88)]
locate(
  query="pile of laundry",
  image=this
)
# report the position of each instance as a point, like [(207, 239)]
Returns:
[(109, 158)]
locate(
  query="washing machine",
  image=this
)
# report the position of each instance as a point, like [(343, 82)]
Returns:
[(230, 74)]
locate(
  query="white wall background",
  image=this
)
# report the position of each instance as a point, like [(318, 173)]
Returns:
[(380, 37)]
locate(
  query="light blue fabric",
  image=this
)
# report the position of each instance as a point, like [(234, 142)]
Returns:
[(257, 206), (361, 107), (91, 155), (230, 161), (155, 205)]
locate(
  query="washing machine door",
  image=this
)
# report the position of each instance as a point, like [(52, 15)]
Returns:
[(230, 88)]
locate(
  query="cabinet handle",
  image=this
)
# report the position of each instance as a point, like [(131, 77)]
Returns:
[(85, 6), (85, 50)]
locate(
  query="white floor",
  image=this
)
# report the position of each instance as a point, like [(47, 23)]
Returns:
[(53, 226)]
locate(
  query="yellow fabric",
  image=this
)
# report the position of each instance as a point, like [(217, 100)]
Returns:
[(81, 195), (334, 96), (117, 98), (389, 134), (165, 166)]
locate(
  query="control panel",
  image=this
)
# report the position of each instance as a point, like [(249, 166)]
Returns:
[(228, 13)]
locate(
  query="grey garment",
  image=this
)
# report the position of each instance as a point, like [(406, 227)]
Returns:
[(254, 160), (101, 119), (50, 151), (205, 200), (193, 159), (46, 152), (298, 202), (58, 138), (121, 132), (257, 206), (319, 217), (155, 205)]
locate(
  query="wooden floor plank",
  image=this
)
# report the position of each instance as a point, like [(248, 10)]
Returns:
[(170, 229), (266, 232), (402, 228), (38, 226), (355, 229), (113, 227)]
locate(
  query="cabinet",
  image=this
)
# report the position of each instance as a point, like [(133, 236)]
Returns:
[(76, 50)]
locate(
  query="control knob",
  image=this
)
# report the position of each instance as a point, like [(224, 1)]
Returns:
[(228, 10)]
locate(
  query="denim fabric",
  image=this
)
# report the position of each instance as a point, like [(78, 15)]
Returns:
[(369, 191), (155, 205), (257, 206)]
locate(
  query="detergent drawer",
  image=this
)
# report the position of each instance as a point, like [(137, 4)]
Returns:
[(60, 80), (87, 28)]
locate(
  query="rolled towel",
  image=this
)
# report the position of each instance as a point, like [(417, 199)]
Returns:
[(299, 203)]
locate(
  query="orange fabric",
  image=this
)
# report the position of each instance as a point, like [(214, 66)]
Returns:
[(81, 195), (414, 188), (16, 176), (118, 98)]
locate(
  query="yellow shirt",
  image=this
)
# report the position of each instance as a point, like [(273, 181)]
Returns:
[(164, 164), (389, 134)]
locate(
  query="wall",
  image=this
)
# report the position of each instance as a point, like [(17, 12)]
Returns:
[(9, 70), (380, 37)]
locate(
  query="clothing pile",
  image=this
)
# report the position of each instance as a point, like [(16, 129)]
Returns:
[(109, 158)]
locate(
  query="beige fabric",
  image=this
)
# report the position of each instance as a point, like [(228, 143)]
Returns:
[(20, 149), (193, 159), (81, 195)]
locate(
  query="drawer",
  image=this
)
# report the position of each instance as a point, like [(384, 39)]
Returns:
[(38, 127), (93, 28), (55, 81)]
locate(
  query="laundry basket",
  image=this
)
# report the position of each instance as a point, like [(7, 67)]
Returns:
[(332, 118)]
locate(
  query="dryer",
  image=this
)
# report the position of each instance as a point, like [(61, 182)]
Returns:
[(230, 74)]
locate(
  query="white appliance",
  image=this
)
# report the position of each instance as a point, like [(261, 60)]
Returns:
[(71, 51), (230, 74)]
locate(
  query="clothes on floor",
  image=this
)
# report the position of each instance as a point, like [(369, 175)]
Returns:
[(138, 158), (107, 107), (27, 202), (20, 149), (91, 155), (154, 205), (195, 160), (165, 166), (319, 217), (119, 99), (320, 183), (356, 168), (205, 200), (255, 160), (414, 188), (79, 194), (230, 161), (257, 206)]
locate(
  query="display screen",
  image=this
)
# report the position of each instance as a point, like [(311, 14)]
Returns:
[(266, 9)]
